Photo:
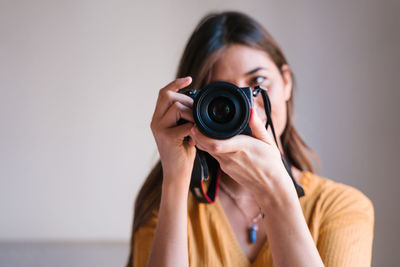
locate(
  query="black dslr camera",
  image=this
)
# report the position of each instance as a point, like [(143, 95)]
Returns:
[(221, 110)]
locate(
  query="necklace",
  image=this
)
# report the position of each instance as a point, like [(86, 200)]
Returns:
[(253, 223)]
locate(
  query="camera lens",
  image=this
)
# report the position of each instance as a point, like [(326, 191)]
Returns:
[(221, 110)]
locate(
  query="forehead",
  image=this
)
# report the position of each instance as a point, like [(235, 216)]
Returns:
[(238, 60)]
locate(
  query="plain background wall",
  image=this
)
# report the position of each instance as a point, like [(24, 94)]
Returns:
[(79, 80)]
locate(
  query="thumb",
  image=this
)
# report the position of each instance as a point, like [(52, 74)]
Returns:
[(258, 128)]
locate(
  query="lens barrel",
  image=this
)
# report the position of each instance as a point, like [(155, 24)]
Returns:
[(221, 110)]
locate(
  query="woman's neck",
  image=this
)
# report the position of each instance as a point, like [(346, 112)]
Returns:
[(236, 188)]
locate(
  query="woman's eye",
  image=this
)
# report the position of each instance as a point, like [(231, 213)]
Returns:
[(258, 80)]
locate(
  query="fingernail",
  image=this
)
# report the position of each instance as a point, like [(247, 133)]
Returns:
[(251, 114), (193, 130), (187, 78)]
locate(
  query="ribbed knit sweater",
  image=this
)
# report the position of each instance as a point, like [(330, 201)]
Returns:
[(340, 219)]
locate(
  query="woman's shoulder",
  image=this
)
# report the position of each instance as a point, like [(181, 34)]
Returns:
[(340, 219), (333, 199)]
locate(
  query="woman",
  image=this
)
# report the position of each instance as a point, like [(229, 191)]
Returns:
[(331, 225)]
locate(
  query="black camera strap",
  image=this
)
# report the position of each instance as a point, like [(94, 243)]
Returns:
[(267, 106), (206, 172), (206, 176)]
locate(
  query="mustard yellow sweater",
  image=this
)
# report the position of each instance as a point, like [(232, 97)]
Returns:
[(339, 217)]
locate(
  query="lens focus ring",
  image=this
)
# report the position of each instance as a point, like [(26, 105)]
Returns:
[(221, 110)]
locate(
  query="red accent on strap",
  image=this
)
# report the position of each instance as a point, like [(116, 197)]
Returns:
[(219, 173), (216, 187)]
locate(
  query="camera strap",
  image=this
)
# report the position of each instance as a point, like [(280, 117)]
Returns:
[(206, 176), (286, 163)]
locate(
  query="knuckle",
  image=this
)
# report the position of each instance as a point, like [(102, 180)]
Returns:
[(243, 153), (164, 92), (152, 123), (216, 148), (174, 107), (169, 93), (161, 93), (177, 105), (153, 128)]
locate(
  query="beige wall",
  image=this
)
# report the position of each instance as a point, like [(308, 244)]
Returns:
[(79, 79)]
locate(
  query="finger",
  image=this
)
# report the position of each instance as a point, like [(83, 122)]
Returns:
[(258, 129), (180, 131), (174, 113), (178, 84), (215, 146), (168, 95)]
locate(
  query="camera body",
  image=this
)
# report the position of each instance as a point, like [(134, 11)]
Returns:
[(221, 110)]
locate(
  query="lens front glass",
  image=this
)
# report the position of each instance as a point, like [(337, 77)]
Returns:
[(221, 110)]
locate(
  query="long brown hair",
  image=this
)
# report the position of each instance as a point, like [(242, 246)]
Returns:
[(213, 34)]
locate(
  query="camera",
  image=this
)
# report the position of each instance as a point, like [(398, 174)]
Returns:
[(221, 110)]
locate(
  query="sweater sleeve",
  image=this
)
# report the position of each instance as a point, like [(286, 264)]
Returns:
[(143, 243), (346, 231)]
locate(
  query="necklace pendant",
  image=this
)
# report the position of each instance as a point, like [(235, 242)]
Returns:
[(253, 233)]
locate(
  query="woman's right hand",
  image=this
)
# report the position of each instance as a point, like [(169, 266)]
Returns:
[(176, 156)]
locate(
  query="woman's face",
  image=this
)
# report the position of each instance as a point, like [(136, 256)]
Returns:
[(246, 66)]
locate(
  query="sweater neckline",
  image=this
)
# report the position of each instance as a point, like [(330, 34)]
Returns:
[(304, 179), (245, 261)]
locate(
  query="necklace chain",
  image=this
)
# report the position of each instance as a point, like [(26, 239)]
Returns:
[(235, 199)]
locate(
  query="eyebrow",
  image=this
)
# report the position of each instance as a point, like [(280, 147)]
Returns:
[(254, 70)]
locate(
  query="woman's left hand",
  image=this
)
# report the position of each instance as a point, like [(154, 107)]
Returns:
[(253, 161)]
